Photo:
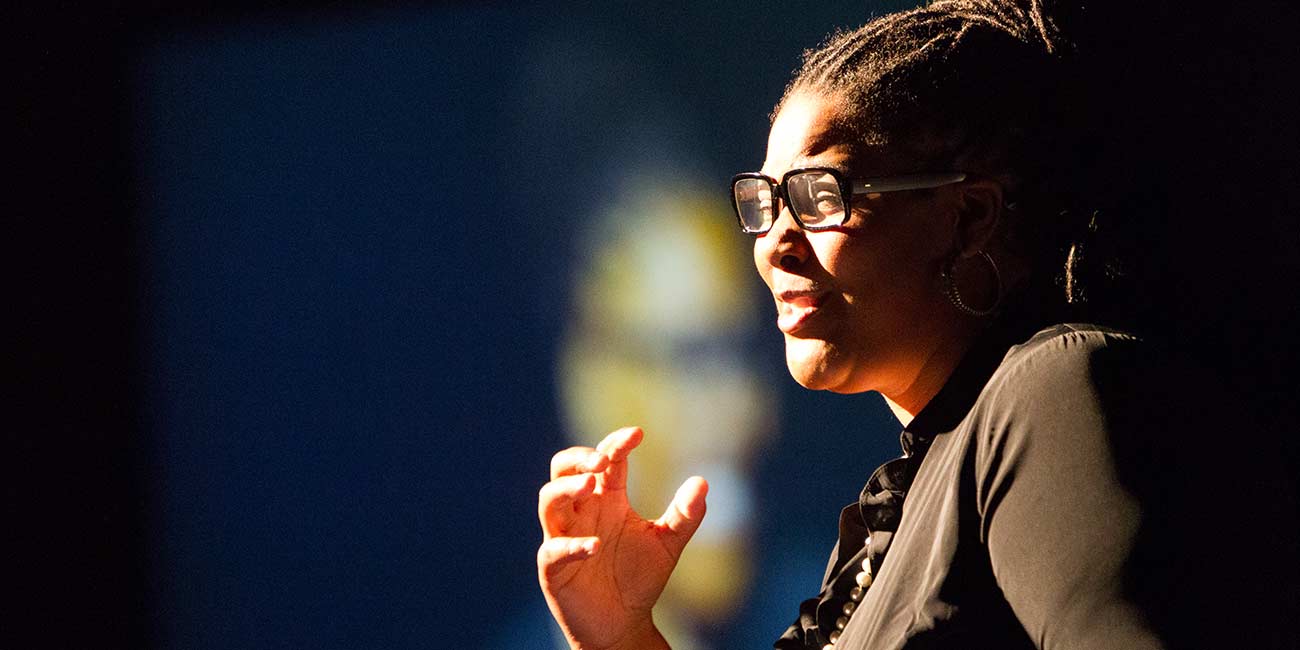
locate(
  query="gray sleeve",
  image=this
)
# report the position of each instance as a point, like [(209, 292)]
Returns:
[(1058, 523)]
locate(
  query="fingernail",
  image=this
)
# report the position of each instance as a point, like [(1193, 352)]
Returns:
[(589, 546)]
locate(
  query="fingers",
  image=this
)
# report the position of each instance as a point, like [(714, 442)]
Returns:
[(577, 473), (558, 502), (617, 446), (613, 449), (557, 552), (685, 513), (577, 460)]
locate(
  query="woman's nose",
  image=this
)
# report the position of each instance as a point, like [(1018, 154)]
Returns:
[(785, 246)]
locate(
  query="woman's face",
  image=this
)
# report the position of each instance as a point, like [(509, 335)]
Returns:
[(861, 306)]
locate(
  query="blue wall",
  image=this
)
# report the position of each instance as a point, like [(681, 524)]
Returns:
[(358, 233)]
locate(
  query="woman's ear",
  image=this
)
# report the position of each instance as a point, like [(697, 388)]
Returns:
[(979, 213)]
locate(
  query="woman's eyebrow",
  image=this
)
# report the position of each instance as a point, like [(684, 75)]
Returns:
[(820, 142), (805, 161)]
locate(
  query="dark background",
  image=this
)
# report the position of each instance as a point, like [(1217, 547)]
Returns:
[(288, 284), (295, 280)]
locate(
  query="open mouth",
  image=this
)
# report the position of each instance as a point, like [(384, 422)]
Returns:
[(795, 309)]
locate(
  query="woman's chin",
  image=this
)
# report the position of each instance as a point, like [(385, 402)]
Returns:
[(814, 364)]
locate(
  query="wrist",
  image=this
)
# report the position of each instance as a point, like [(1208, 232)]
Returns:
[(644, 636)]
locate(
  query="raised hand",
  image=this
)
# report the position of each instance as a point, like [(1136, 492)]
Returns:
[(601, 565)]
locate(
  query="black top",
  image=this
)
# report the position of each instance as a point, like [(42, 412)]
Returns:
[(1061, 499)]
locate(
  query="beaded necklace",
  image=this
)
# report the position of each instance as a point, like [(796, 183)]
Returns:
[(879, 508)]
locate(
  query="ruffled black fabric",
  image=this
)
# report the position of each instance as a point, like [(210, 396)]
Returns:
[(876, 514)]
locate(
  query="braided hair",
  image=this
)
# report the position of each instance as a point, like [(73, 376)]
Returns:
[(980, 87)]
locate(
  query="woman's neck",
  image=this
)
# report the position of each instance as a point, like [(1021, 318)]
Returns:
[(933, 373)]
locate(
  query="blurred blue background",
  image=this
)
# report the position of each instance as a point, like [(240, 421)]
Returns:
[(393, 258)]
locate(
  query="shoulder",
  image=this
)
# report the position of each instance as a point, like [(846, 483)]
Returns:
[(1059, 375), (1070, 353), (1063, 345), (1053, 407)]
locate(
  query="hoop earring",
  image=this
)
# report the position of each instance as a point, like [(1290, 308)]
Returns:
[(954, 295)]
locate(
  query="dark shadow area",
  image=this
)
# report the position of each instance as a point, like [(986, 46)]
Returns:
[(73, 501), (1215, 560), (1196, 170), (1198, 180)]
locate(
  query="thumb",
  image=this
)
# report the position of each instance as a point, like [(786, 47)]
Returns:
[(685, 513)]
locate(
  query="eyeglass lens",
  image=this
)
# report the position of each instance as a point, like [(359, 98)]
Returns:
[(814, 196), (754, 203)]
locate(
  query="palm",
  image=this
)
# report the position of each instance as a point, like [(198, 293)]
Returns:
[(622, 582), (600, 597)]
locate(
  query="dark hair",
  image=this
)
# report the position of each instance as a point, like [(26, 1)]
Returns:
[(980, 87)]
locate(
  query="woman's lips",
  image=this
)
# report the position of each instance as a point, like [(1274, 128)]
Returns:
[(794, 309)]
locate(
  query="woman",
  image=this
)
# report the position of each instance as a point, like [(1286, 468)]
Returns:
[(911, 219)]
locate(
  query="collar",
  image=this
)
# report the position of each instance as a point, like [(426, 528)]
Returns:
[(951, 404)]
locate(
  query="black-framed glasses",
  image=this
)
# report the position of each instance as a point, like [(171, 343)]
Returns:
[(819, 198)]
